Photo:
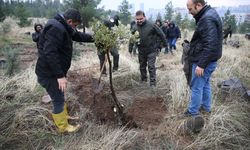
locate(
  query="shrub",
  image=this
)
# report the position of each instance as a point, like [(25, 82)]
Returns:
[(6, 27), (10, 55)]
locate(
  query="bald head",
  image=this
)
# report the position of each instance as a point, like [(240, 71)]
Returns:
[(194, 6), (202, 2)]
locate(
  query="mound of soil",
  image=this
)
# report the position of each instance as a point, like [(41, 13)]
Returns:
[(99, 102), (144, 112), (147, 111)]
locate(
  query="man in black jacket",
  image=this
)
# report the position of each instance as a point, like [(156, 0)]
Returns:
[(205, 50), (38, 29), (54, 60), (148, 33)]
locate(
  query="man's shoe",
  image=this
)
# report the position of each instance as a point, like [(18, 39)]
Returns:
[(62, 124), (204, 112), (195, 124), (187, 114)]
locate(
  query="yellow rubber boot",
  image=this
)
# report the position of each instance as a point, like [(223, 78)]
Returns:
[(67, 114), (62, 124)]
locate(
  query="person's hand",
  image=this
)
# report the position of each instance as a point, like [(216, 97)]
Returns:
[(99, 45), (62, 82), (199, 71)]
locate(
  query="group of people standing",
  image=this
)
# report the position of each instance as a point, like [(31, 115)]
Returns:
[(172, 33), (55, 54)]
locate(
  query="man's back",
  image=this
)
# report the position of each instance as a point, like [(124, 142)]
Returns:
[(55, 49)]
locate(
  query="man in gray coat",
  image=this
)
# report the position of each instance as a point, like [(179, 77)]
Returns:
[(148, 33)]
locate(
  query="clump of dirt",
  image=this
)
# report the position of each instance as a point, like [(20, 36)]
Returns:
[(144, 112), (147, 111), (100, 103)]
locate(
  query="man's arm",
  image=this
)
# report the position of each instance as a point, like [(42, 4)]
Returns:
[(82, 37), (35, 36), (160, 33)]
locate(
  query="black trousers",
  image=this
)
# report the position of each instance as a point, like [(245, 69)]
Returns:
[(148, 60), (115, 54), (132, 47), (57, 96)]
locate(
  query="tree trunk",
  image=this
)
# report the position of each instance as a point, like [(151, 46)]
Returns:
[(118, 105)]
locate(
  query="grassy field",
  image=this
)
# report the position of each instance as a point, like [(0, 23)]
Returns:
[(25, 122)]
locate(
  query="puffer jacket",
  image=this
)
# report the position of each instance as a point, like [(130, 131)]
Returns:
[(55, 48), (206, 43)]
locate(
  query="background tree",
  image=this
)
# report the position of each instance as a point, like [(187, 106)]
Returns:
[(10, 7), (52, 7), (184, 25), (124, 14), (2, 15), (192, 24), (22, 14), (245, 26), (177, 19), (229, 20), (36, 8), (169, 11), (87, 8), (159, 17)]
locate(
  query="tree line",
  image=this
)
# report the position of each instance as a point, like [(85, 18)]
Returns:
[(89, 10)]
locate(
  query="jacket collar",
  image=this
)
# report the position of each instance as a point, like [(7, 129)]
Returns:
[(143, 23), (200, 14), (61, 19)]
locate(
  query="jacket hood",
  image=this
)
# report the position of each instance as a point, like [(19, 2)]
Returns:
[(172, 24)]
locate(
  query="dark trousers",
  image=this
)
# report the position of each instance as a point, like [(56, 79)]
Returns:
[(148, 60), (57, 96), (132, 47), (115, 54)]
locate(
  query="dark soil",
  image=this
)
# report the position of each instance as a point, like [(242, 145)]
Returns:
[(143, 113), (148, 111)]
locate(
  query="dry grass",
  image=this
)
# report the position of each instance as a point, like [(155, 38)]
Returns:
[(27, 123)]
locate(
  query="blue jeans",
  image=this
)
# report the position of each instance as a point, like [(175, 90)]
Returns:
[(201, 89), (172, 43), (57, 96)]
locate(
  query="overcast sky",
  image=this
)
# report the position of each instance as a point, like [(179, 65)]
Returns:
[(160, 4)]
